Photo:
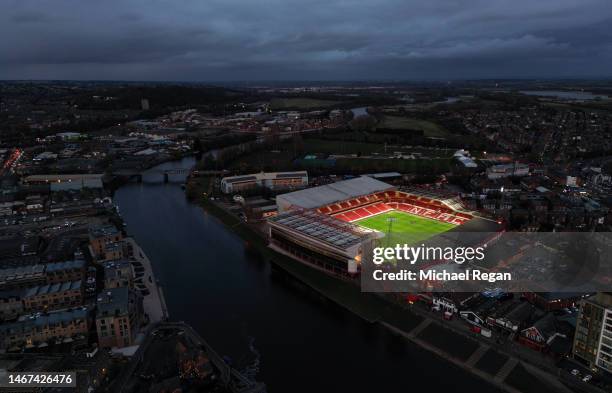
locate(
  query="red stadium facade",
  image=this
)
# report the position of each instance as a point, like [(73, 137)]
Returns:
[(382, 202)]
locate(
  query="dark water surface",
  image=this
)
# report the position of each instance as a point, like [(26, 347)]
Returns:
[(306, 343)]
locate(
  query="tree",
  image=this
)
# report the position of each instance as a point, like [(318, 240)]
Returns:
[(363, 123)]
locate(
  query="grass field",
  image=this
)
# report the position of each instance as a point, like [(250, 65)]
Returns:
[(406, 228), (429, 128)]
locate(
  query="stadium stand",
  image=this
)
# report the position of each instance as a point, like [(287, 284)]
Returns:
[(381, 202)]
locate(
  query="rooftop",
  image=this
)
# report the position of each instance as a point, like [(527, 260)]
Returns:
[(330, 193), (324, 228), (113, 269), (63, 178), (27, 271), (264, 176), (21, 272), (28, 323), (103, 230), (53, 288), (113, 302), (67, 265)]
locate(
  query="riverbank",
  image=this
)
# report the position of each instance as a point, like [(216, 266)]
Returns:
[(502, 370), (154, 303)]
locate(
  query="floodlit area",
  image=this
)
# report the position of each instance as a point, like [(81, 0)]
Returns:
[(404, 228)]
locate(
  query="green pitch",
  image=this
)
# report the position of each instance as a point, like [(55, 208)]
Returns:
[(405, 229)]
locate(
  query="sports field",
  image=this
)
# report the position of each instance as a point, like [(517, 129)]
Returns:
[(405, 228)]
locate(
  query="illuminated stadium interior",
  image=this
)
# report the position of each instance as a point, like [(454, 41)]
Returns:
[(404, 228), (314, 225), (404, 217)]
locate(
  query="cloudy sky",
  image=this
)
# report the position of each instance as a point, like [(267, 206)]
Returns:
[(223, 40)]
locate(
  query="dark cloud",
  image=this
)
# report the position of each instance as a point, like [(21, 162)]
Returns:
[(304, 39), (29, 17)]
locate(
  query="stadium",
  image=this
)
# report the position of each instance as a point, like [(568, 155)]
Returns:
[(332, 227)]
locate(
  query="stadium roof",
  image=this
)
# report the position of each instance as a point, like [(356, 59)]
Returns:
[(324, 228), (330, 193)]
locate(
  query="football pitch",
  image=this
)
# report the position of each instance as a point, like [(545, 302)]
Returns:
[(405, 228)]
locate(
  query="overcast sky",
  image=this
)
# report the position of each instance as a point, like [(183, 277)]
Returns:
[(215, 40)]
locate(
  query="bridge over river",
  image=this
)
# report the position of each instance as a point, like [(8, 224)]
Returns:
[(151, 174)]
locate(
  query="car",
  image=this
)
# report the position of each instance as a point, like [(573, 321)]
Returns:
[(575, 372), (587, 378)]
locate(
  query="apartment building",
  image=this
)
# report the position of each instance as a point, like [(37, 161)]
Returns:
[(593, 338), (118, 317), (101, 236), (53, 296), (39, 330)]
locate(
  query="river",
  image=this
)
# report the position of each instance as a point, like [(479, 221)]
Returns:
[(306, 343)]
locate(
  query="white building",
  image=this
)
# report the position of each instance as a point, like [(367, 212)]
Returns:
[(270, 180)]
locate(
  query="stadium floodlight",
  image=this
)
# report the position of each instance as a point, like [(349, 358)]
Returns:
[(390, 220)]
